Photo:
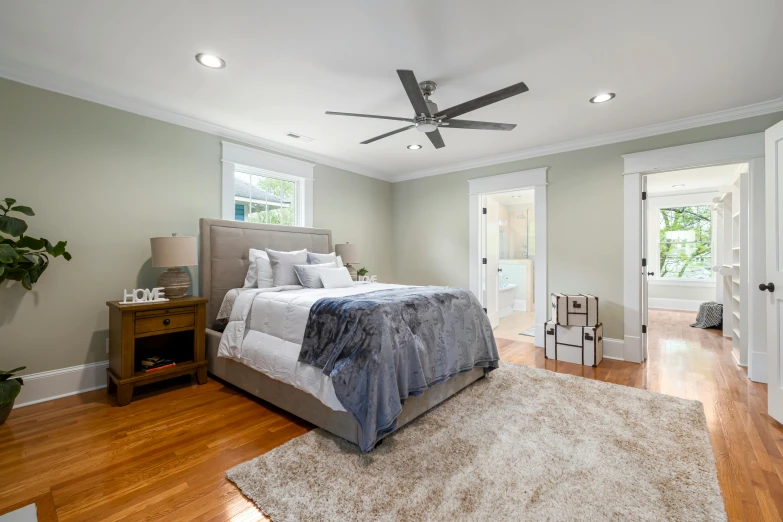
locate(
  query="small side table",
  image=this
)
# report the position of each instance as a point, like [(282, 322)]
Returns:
[(174, 329)]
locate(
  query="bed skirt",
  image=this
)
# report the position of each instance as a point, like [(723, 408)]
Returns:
[(307, 407)]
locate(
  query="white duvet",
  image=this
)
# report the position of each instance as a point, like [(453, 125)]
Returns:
[(266, 328)]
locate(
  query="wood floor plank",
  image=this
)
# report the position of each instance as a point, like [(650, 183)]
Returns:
[(163, 457)]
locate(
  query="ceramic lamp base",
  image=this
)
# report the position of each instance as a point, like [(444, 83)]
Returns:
[(175, 282)]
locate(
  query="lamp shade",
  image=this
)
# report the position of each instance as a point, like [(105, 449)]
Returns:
[(173, 251), (349, 252)]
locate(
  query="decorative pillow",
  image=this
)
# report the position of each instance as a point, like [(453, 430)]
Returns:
[(310, 275), (314, 259), (259, 273), (335, 277), (283, 266)]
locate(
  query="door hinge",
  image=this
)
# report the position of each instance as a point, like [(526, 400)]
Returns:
[(644, 261), (484, 210), (644, 196), (644, 328), (483, 260)]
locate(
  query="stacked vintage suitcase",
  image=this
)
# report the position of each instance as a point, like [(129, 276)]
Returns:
[(574, 334)]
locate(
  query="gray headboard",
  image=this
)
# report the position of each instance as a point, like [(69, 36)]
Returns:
[(225, 245)]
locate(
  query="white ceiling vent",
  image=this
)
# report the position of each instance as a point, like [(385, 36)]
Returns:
[(297, 136)]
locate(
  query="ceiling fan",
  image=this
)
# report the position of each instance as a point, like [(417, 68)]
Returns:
[(427, 118)]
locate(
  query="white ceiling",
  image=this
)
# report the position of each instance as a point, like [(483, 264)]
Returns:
[(288, 62), (703, 178), (516, 197)]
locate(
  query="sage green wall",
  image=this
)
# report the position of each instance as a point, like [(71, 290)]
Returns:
[(106, 181), (584, 218)]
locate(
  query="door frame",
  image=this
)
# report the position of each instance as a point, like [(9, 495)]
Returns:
[(526, 179), (739, 149)]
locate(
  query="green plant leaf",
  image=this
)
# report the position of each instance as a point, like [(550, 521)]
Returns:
[(58, 249), (12, 226), (27, 211), (27, 281), (67, 256), (9, 390), (2, 269), (7, 254), (30, 242), (9, 201), (15, 370), (19, 380)]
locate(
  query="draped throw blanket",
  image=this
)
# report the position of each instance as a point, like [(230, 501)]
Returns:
[(381, 347)]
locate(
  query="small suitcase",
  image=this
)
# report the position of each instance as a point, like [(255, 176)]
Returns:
[(575, 310), (574, 344)]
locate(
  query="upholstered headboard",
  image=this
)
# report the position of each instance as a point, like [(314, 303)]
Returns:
[(225, 246)]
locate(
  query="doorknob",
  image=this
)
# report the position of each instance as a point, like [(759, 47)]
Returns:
[(650, 273), (500, 269), (770, 287)]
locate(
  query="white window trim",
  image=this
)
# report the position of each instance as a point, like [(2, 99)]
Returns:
[(263, 163)]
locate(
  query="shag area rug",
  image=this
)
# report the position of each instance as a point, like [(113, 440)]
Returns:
[(521, 444)]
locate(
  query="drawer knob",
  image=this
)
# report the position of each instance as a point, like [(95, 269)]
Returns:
[(166, 322)]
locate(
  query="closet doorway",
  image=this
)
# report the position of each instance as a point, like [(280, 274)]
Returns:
[(508, 252), (699, 247)]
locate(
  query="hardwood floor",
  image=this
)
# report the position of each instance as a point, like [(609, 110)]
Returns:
[(164, 456), (511, 326)]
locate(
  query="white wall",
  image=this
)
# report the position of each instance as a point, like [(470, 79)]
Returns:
[(678, 295)]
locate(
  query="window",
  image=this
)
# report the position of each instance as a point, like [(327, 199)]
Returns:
[(261, 187), (685, 243), (263, 199)]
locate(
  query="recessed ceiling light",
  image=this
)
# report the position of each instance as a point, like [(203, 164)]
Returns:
[(414, 147), (210, 60), (678, 185), (603, 97)]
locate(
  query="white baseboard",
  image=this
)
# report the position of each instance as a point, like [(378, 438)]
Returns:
[(614, 349), (758, 367), (45, 386), (520, 305), (686, 305)]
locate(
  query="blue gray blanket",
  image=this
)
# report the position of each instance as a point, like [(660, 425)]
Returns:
[(381, 347)]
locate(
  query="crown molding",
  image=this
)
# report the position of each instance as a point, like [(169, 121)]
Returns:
[(748, 111), (74, 88)]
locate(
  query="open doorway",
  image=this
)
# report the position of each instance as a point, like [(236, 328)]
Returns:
[(697, 227), (509, 281)]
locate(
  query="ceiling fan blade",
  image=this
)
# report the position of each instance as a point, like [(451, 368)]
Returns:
[(481, 125), (436, 139), (411, 86), (387, 134), (483, 101), (369, 116)]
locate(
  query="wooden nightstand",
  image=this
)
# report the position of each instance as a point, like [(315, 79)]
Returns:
[(173, 329)]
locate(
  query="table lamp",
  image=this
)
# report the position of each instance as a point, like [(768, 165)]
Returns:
[(174, 252), (350, 255)]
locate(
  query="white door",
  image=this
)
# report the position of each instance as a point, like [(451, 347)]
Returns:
[(649, 269), (773, 286), (492, 252)]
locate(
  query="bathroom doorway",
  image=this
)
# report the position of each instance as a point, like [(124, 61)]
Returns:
[(508, 252), (511, 242)]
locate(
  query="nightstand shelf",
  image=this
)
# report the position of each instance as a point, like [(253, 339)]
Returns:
[(172, 330)]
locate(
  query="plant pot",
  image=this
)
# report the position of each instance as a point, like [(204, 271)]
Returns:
[(5, 411)]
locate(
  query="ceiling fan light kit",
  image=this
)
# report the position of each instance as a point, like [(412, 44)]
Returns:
[(427, 118)]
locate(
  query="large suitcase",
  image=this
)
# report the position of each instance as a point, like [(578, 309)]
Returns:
[(574, 344), (575, 310)]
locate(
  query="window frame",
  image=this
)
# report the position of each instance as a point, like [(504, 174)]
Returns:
[(663, 201), (246, 160)]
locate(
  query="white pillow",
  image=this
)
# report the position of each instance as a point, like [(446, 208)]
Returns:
[(283, 273), (310, 276), (317, 259), (259, 273), (335, 277)]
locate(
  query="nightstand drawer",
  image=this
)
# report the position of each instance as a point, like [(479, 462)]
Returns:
[(167, 311), (161, 323)]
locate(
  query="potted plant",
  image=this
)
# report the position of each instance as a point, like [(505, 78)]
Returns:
[(10, 387), (361, 272), (24, 259)]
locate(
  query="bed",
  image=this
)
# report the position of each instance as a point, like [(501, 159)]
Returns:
[(224, 263)]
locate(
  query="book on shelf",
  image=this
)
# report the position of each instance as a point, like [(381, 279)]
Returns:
[(155, 363), (156, 368)]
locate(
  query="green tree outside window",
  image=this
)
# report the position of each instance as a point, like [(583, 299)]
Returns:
[(686, 243)]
